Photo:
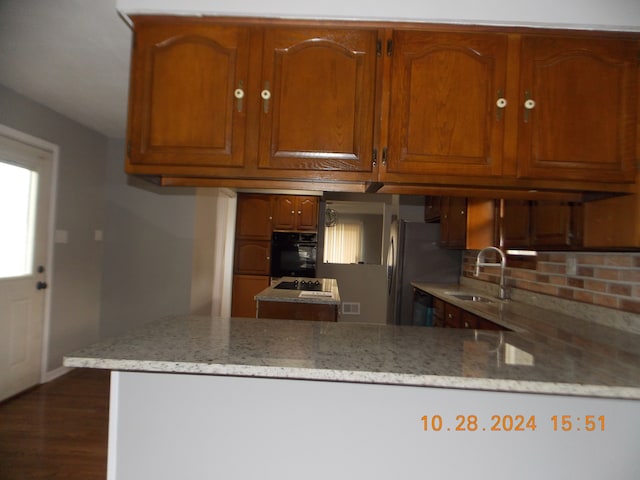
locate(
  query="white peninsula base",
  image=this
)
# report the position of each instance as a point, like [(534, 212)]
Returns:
[(181, 426)]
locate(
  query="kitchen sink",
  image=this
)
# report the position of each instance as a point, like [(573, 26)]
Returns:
[(470, 297)]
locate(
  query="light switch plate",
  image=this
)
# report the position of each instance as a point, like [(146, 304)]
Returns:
[(61, 236)]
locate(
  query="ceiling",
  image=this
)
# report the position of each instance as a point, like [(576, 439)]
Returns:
[(69, 55)]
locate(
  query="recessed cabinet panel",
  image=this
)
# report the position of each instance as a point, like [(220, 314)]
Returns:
[(444, 113), (183, 108), (453, 222), (252, 257), (578, 103), (253, 217), (318, 99), (550, 224), (516, 220)]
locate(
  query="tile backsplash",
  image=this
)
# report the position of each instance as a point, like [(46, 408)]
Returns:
[(606, 279)]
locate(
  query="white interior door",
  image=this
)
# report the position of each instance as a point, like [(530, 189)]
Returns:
[(25, 192)]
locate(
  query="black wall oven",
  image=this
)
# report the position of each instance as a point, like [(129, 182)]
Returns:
[(293, 254)]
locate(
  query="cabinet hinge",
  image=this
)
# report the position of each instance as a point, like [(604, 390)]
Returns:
[(379, 48), (389, 47), (384, 156), (374, 157)]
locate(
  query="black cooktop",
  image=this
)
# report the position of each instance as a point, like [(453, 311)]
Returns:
[(309, 285)]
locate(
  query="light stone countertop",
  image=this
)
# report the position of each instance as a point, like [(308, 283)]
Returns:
[(329, 285), (546, 325), (518, 361)]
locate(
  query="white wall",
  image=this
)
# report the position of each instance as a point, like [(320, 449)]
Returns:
[(148, 247), (611, 14), (75, 280)]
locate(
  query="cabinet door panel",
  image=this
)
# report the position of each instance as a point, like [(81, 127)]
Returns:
[(245, 287), (253, 257), (444, 89), (320, 114), (253, 217), (183, 110), (453, 222), (583, 123), (284, 212), (307, 213), (550, 224), (515, 224)]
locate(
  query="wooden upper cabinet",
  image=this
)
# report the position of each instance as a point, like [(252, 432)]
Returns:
[(516, 219), (295, 213), (317, 105), (253, 217), (541, 224), (444, 117), (183, 111), (580, 122), (453, 222)]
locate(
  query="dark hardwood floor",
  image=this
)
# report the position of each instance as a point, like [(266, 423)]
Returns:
[(57, 430)]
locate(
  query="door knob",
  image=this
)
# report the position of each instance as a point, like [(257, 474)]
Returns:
[(41, 285)]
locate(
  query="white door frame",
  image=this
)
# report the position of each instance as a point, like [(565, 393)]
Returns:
[(52, 148)]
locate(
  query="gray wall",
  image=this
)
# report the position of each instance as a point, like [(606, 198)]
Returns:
[(142, 269), (76, 276), (148, 248)]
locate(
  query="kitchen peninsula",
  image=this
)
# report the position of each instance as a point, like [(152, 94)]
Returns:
[(200, 397), (300, 299)]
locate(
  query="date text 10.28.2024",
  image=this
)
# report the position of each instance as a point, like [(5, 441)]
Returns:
[(513, 423)]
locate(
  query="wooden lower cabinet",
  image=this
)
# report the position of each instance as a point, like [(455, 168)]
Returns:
[(245, 287), (451, 316), (298, 311)]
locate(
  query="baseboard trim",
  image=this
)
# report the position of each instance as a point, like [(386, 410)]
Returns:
[(53, 374)]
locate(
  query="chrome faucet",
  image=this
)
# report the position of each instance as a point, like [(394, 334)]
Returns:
[(480, 262)]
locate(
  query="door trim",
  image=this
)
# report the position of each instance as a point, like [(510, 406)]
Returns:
[(54, 150)]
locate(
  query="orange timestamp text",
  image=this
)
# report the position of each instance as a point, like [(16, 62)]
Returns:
[(512, 423)]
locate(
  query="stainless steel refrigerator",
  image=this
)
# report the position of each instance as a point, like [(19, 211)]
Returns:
[(415, 255)]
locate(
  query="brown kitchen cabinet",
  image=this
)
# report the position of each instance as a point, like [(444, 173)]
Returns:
[(451, 316), (515, 223), (431, 208), (559, 106), (320, 110), (182, 112), (245, 287), (542, 224), (252, 257), (453, 222), (254, 217), (613, 222), (577, 104), (299, 213), (297, 311), (443, 114), (213, 98), (359, 105)]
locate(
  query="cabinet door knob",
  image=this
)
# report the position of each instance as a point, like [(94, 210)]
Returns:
[(239, 94), (529, 104), (501, 103), (266, 96)]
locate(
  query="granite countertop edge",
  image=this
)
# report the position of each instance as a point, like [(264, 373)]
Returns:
[(369, 377)]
